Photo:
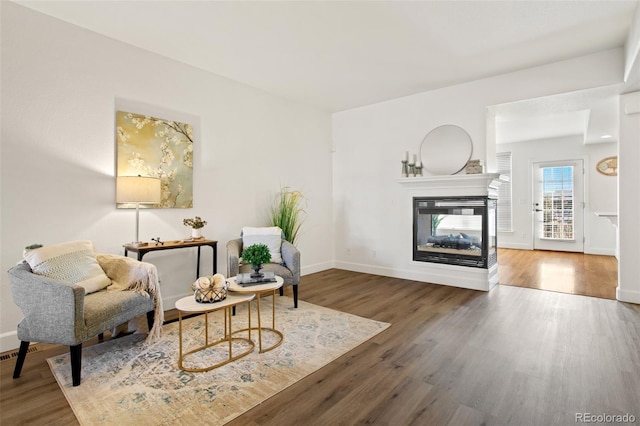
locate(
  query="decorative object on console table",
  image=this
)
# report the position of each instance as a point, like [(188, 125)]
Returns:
[(256, 255), (196, 225), (137, 190)]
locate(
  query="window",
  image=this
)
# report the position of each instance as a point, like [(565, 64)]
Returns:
[(557, 187), (503, 166)]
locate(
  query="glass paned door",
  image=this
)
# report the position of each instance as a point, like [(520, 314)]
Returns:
[(558, 206), (557, 201)]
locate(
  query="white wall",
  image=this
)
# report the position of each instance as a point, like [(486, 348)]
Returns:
[(60, 88), (629, 199), (600, 190), (629, 173), (632, 48), (371, 212)]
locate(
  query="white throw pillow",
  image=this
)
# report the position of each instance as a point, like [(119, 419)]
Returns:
[(269, 236), (74, 262)]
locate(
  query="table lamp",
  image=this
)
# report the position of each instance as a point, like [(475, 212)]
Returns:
[(138, 190)]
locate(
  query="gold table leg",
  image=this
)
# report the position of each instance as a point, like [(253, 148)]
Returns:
[(260, 328), (228, 337)]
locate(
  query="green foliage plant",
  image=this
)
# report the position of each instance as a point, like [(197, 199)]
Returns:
[(256, 254), (435, 222), (286, 213), (195, 223)]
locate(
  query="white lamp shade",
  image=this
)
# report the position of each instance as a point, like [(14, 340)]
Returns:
[(137, 189)]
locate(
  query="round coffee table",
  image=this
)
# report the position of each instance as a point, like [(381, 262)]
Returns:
[(188, 305), (260, 290)]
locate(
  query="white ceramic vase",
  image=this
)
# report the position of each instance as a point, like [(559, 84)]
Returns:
[(196, 233)]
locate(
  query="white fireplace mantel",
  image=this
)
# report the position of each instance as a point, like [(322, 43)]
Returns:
[(485, 184), (471, 185)]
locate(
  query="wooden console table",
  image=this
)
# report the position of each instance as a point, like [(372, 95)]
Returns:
[(170, 245)]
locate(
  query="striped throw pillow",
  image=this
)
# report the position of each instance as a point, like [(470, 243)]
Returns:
[(73, 262)]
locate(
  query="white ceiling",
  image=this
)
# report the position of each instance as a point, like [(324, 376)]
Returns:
[(590, 114), (343, 54)]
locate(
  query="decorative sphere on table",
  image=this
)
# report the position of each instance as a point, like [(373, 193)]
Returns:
[(210, 288)]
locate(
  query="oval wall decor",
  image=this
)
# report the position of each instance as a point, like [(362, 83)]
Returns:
[(608, 166)]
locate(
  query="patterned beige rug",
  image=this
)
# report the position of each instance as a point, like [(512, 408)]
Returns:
[(125, 381)]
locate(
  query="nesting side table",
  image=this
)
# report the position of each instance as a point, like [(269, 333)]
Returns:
[(188, 305), (259, 290)]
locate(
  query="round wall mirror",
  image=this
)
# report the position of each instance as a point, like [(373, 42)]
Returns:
[(608, 166), (446, 150)]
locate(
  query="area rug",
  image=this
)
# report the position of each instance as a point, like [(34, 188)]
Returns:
[(127, 381)]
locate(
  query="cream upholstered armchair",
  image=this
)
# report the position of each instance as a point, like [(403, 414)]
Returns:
[(59, 311), (285, 256)]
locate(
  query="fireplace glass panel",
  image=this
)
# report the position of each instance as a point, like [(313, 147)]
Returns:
[(492, 254), (455, 231)]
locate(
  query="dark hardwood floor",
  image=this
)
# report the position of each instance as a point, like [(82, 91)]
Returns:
[(574, 273), (513, 356)]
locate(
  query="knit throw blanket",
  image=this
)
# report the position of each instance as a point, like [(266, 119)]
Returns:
[(129, 274)]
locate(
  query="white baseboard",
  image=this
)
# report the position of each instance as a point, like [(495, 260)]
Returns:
[(600, 251), (630, 296), (9, 341), (473, 278), (587, 250), (368, 269), (318, 267), (517, 246)]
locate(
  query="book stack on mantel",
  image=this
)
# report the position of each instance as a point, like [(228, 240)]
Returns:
[(247, 280)]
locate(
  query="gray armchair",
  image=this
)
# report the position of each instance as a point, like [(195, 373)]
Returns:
[(60, 313), (290, 271)]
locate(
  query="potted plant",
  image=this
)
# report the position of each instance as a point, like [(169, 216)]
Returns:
[(286, 211), (196, 224), (256, 255)]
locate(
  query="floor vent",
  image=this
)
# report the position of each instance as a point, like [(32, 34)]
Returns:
[(14, 354)]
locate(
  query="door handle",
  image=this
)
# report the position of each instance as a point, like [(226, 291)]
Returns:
[(538, 210)]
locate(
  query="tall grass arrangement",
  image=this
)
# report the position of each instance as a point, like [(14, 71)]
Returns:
[(435, 222), (286, 213)]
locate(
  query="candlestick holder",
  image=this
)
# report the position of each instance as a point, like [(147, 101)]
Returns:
[(405, 170), (412, 169), (419, 170)]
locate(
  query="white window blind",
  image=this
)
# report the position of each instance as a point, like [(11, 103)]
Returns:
[(558, 208), (503, 166)]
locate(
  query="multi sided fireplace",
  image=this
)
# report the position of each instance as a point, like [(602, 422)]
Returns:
[(455, 230)]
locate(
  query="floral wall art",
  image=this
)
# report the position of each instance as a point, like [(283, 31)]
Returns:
[(157, 147)]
